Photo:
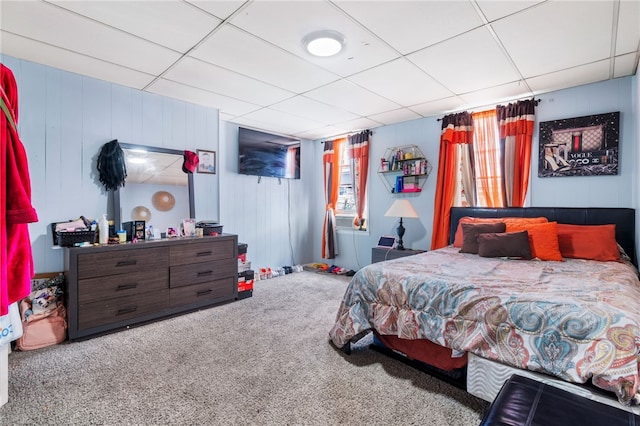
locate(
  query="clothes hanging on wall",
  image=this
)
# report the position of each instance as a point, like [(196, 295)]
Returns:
[(16, 210)]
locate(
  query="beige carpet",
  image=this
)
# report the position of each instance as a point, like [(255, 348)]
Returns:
[(265, 360)]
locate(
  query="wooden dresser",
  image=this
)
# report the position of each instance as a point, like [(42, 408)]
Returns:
[(116, 286)]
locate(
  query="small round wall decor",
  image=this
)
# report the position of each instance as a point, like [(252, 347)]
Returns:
[(163, 201), (141, 213)]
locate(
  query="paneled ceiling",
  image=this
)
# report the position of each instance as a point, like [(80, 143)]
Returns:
[(403, 59)]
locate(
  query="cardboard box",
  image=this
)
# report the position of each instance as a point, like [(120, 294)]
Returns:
[(243, 266)]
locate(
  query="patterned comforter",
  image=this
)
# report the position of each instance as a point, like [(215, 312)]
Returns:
[(576, 319)]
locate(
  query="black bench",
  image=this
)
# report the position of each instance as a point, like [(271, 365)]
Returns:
[(523, 401)]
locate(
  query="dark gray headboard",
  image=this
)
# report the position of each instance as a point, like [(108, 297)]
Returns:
[(623, 218)]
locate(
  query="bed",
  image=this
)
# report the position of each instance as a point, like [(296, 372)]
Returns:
[(574, 322)]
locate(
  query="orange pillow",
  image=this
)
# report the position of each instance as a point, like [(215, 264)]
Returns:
[(593, 242), (543, 238), (458, 240)]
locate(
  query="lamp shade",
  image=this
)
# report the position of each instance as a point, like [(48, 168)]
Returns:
[(401, 208)]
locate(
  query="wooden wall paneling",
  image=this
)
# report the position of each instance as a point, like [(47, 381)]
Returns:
[(151, 119), (121, 114)]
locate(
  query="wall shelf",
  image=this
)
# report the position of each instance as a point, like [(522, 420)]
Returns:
[(404, 169)]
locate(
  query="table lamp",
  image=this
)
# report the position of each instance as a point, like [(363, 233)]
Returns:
[(401, 208)]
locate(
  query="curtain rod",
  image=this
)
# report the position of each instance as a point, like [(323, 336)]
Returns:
[(537, 101), (346, 135)]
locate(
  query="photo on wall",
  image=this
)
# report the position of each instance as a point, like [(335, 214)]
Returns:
[(580, 146)]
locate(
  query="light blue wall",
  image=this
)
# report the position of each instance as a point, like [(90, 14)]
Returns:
[(65, 118), (271, 216), (594, 191)]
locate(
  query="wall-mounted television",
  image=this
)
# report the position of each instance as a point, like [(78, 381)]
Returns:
[(266, 154)]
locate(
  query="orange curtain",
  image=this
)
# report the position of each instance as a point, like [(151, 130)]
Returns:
[(331, 161), (487, 154), (456, 129), (359, 156), (516, 133)]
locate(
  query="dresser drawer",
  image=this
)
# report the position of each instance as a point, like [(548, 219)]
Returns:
[(121, 262), (204, 291), (213, 249), (122, 308), (123, 285), (185, 275)]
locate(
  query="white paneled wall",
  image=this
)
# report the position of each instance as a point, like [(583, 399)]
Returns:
[(589, 191), (594, 191), (65, 119), (272, 217)]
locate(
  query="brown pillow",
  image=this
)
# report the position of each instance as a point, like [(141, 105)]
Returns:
[(508, 244), (470, 232)]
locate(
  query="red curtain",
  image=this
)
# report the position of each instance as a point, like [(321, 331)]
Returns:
[(359, 156), (516, 134), (456, 129), (331, 161)]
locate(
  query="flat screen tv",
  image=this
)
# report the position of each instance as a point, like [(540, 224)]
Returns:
[(266, 154)]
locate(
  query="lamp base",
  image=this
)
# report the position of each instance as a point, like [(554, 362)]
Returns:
[(400, 245)]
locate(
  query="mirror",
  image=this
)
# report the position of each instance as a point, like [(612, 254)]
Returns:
[(156, 189)]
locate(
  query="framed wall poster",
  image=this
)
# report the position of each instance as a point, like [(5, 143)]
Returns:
[(581, 146), (207, 161)]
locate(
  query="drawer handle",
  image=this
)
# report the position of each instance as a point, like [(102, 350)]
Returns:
[(203, 292), (204, 253), (205, 273), (126, 310), (126, 263), (127, 286)]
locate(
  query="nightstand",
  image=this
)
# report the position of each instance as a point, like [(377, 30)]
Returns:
[(379, 254)]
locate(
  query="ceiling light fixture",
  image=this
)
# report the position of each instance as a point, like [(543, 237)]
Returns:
[(324, 43)]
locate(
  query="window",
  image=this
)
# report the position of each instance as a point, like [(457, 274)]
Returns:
[(483, 168), (346, 207)]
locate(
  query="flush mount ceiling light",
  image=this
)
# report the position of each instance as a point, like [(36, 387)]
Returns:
[(324, 43)]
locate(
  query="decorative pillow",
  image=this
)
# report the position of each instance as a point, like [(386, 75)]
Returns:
[(508, 244), (543, 239), (593, 242), (470, 232), (457, 242)]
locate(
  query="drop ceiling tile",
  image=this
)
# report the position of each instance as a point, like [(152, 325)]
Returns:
[(466, 63), (226, 117), (324, 133), (318, 111), (261, 60), (34, 51), (439, 107), (577, 76), (490, 97), (625, 65), (628, 27), (197, 96), (395, 116), (422, 23), (402, 82), (348, 96), (552, 36), (194, 72), (150, 20), (82, 35), (284, 120), (264, 126), (494, 10), (285, 24), (359, 124), (220, 9)]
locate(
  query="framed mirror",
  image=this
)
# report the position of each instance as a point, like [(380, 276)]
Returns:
[(156, 189)]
